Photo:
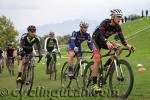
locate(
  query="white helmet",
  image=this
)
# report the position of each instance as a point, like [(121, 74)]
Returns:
[(116, 12), (84, 24)]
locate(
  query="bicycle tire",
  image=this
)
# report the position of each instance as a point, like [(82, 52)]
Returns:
[(87, 78), (81, 74), (64, 76), (131, 75), (27, 69)]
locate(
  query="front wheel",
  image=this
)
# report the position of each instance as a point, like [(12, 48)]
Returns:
[(80, 74), (52, 70), (121, 85), (87, 76), (27, 80), (65, 79), (1, 68)]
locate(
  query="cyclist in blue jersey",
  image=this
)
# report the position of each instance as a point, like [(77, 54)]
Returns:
[(74, 44)]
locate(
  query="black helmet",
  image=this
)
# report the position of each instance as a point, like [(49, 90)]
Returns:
[(51, 34), (31, 28), (10, 44)]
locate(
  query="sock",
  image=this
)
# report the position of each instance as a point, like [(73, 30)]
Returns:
[(94, 80)]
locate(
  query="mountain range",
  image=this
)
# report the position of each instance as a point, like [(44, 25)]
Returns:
[(64, 28)]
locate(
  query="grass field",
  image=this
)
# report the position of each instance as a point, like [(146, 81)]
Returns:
[(141, 90)]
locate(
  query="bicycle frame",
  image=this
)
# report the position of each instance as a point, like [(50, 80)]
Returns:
[(114, 62), (80, 63), (81, 68)]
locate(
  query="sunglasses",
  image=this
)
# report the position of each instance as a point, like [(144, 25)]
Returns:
[(84, 27), (32, 31)]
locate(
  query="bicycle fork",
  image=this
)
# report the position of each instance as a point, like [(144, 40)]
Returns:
[(116, 68), (81, 68)]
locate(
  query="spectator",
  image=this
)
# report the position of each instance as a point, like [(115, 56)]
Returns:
[(122, 20), (125, 19), (146, 13), (142, 13)]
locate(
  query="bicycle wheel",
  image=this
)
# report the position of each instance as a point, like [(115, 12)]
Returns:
[(11, 69), (55, 72), (80, 73), (52, 69), (121, 86), (27, 79), (1, 68), (87, 78), (65, 79)]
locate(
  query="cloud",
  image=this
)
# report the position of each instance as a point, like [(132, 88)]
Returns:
[(39, 12)]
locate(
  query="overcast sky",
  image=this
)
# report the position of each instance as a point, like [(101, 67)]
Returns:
[(40, 12)]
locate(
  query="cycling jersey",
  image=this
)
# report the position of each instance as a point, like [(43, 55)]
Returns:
[(27, 43), (50, 44), (77, 39), (10, 52), (1, 53), (105, 30)]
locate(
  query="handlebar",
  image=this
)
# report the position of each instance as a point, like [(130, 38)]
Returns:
[(130, 51), (53, 52)]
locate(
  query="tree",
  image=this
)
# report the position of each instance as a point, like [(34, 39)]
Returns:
[(7, 32)]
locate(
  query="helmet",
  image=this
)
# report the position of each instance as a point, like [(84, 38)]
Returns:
[(31, 28), (84, 24), (116, 12), (10, 44), (51, 34)]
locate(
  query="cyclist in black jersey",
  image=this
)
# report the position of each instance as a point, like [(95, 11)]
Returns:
[(26, 45), (1, 57), (10, 53), (106, 29), (51, 44), (1, 54)]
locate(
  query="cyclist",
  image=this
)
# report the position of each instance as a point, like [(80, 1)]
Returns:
[(74, 44), (26, 44), (18, 55), (107, 28), (10, 53), (51, 44), (1, 57)]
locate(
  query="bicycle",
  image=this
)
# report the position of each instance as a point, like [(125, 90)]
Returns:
[(27, 74), (52, 65), (10, 65), (122, 69), (1, 65), (67, 80)]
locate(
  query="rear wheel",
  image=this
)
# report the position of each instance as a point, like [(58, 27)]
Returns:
[(121, 86)]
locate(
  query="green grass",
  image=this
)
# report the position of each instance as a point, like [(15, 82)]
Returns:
[(141, 88)]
